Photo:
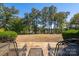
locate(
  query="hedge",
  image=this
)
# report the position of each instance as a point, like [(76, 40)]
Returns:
[(8, 35), (70, 34)]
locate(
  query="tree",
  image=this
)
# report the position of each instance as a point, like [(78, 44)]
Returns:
[(35, 16), (61, 20), (75, 21), (52, 12), (16, 24), (7, 13), (44, 17), (34, 21), (1, 15), (48, 14), (27, 21)]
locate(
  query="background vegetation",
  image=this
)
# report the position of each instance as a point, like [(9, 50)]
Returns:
[(37, 21)]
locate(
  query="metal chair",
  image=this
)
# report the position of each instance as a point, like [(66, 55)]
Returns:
[(54, 51), (67, 48), (61, 43)]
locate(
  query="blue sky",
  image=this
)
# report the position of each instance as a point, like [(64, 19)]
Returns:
[(73, 8)]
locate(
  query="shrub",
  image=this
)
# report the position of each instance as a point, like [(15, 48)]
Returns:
[(2, 29), (8, 35), (70, 34)]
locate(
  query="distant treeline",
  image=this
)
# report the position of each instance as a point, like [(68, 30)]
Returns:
[(46, 20)]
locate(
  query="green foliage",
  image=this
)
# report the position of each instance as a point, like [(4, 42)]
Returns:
[(26, 30), (60, 18), (8, 35), (70, 34), (16, 25), (29, 24), (75, 19), (6, 13)]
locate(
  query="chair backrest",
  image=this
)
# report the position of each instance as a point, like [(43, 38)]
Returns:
[(59, 46), (65, 48)]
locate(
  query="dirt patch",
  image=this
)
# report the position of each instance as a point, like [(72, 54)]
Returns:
[(39, 38)]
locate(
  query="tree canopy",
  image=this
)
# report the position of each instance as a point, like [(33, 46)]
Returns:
[(46, 20)]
